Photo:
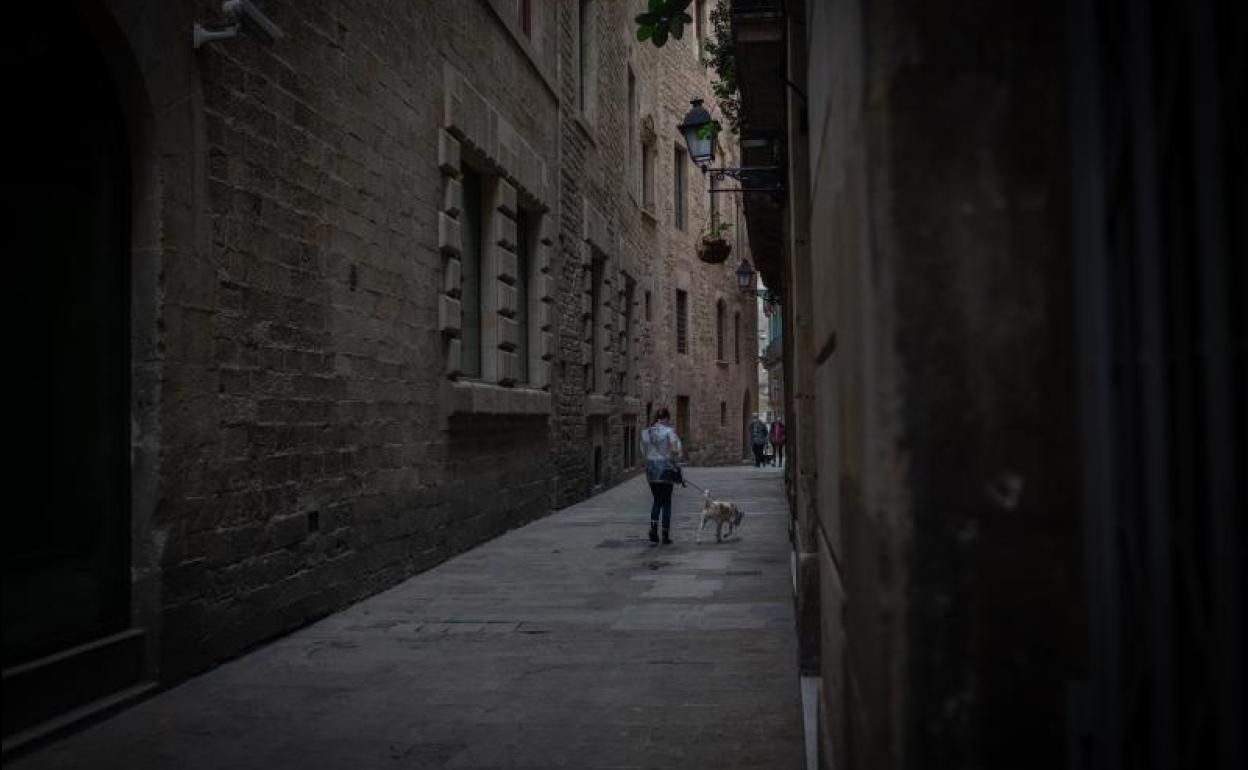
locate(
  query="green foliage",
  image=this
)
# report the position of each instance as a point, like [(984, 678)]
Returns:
[(719, 57), (663, 18), (717, 229)]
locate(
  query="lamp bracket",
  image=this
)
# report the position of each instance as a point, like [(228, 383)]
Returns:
[(762, 179)]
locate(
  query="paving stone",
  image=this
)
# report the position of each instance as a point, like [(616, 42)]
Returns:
[(536, 649)]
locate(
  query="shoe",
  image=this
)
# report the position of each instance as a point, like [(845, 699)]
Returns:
[(654, 533), (666, 539)]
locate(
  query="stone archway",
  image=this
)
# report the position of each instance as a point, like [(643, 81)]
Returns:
[(72, 241), (106, 192)]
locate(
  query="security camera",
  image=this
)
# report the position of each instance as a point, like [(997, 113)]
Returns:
[(253, 22), (243, 15)]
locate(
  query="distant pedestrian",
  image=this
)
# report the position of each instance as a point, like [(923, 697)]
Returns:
[(661, 446), (758, 441), (777, 441)]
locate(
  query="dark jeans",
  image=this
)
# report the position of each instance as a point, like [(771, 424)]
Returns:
[(779, 453), (662, 503), (759, 460)]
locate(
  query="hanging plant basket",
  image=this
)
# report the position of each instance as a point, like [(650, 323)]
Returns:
[(714, 251)]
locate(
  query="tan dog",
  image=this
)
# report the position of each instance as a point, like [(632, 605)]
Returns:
[(721, 513)]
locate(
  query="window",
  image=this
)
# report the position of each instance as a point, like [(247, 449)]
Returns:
[(720, 312), (647, 306), (633, 176), (470, 273), (524, 9), (524, 233), (596, 377), (647, 176), (736, 338), (626, 347), (723, 414), (682, 322), (678, 188), (587, 64), (699, 27)]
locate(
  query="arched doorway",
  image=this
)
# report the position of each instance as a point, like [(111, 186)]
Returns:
[(66, 546)]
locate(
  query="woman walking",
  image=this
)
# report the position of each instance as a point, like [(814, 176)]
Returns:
[(661, 447)]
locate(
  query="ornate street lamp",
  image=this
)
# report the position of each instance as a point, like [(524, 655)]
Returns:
[(745, 277), (699, 136), (699, 130)]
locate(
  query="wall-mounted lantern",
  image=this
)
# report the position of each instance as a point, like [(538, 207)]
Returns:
[(699, 130), (699, 136), (745, 277)]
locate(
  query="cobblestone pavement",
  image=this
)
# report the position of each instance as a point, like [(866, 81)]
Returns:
[(571, 642)]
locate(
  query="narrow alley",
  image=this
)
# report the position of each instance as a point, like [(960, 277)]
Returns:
[(570, 642)]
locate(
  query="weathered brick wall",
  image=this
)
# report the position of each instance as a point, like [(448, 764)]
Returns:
[(945, 408), (600, 176), (315, 441), (306, 460)]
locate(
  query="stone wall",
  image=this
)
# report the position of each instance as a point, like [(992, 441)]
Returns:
[(305, 432), (945, 404), (313, 454), (606, 216)]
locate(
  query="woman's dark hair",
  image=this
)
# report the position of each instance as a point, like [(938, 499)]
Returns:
[(662, 414)]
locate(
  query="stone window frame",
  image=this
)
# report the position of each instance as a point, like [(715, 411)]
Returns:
[(736, 337), (701, 21), (512, 173), (628, 320), (587, 60), (633, 132), (721, 331), (598, 270), (682, 321), (680, 192), (649, 156)]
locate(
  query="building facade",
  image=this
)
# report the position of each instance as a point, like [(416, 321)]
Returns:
[(325, 310), (1014, 365)]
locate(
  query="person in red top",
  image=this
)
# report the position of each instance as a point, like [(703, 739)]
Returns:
[(777, 441)]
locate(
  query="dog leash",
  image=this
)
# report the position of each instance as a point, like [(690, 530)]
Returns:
[(695, 486)]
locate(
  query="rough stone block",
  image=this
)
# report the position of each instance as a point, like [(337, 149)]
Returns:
[(541, 313), (449, 237), (505, 265), (451, 276), (505, 232), (594, 228), (505, 197), (508, 369), (454, 357), (508, 334), (449, 315), (452, 196), (506, 299), (448, 154), (539, 374), (467, 113), (541, 257), (541, 286)]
